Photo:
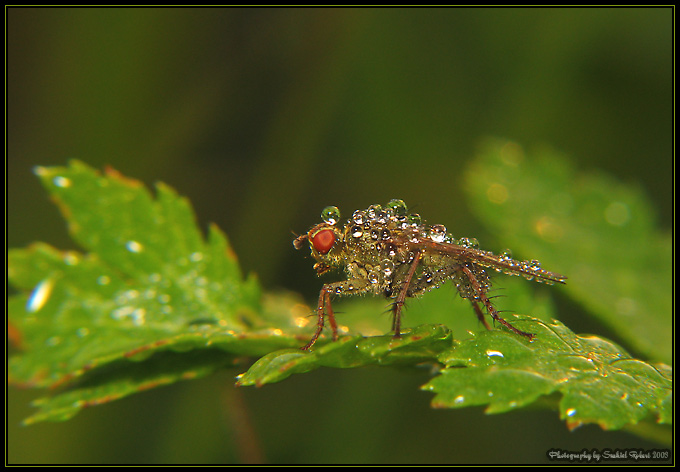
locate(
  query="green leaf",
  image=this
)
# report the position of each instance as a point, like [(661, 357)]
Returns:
[(598, 381), (150, 285), (151, 302), (595, 230), (421, 344)]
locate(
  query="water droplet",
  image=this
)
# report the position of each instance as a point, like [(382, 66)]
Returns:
[(469, 242), (414, 219), (61, 181), (571, 411), (138, 316), (39, 295), (535, 265), (196, 256), (459, 399), (398, 207), (357, 231), (330, 215), (387, 267), (103, 280), (373, 211), (438, 233), (492, 353), (358, 217), (134, 246), (71, 258)]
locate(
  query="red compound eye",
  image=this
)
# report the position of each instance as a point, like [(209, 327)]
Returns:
[(323, 240)]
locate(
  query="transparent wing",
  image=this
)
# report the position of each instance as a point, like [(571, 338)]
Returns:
[(531, 270)]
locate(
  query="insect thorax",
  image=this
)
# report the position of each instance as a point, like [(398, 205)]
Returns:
[(377, 250)]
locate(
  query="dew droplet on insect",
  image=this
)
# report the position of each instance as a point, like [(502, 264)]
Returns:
[(358, 217), (357, 231), (535, 265), (330, 215), (398, 207), (469, 242), (437, 233), (387, 266), (373, 211)]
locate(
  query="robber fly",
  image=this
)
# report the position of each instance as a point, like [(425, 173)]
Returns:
[(385, 250)]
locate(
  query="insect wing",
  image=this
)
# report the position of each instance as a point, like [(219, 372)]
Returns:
[(507, 265)]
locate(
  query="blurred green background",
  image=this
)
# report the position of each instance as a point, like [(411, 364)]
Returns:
[(262, 117)]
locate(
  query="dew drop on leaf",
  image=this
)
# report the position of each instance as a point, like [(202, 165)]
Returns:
[(62, 182), (134, 246), (40, 295)]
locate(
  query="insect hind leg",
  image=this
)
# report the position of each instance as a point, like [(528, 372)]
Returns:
[(480, 314), (480, 294)]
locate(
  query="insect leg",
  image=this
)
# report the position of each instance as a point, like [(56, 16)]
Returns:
[(481, 295), (323, 309), (479, 313), (401, 297)]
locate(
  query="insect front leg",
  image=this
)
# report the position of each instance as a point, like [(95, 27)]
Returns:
[(480, 294), (324, 308)]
